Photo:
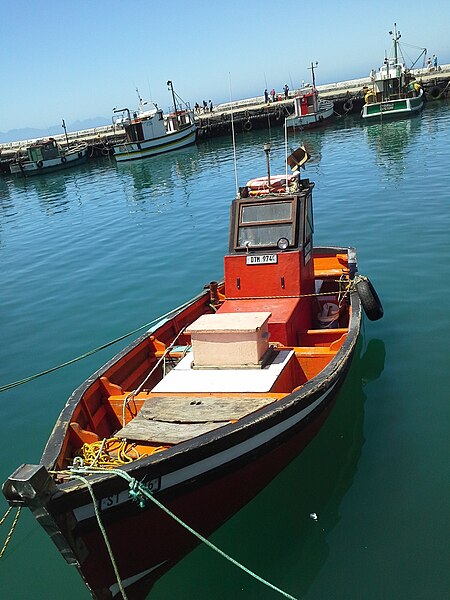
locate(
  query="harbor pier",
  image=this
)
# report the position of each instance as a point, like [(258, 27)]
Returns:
[(246, 114)]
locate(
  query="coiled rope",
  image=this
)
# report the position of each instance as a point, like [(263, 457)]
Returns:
[(140, 493)]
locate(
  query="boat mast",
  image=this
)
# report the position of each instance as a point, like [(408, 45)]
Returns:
[(170, 86), (397, 35), (312, 67)]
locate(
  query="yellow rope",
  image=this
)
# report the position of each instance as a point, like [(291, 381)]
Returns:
[(113, 452), (11, 531)]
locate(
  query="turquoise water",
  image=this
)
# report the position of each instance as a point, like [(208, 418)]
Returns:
[(94, 252)]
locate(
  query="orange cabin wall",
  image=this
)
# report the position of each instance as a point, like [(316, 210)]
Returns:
[(242, 280)]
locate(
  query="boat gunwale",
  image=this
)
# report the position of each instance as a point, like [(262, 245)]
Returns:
[(213, 442)]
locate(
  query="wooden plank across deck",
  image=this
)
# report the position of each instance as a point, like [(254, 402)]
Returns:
[(175, 419)]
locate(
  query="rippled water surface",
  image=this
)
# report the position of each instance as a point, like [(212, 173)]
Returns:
[(92, 253)]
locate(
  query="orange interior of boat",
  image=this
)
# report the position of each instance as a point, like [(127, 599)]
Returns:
[(106, 406)]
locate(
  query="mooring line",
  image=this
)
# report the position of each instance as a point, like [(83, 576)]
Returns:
[(139, 492), (172, 312), (11, 531)]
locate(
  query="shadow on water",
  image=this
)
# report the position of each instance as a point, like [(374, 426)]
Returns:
[(274, 535)]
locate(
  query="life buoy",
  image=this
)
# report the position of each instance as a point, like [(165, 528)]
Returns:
[(435, 92), (39, 164), (248, 125), (348, 105), (369, 299), (260, 185), (63, 159)]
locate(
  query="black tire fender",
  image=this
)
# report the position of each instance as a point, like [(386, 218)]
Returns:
[(63, 159), (369, 298), (435, 92), (248, 125), (348, 105)]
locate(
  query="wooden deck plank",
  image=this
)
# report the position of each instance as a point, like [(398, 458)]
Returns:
[(175, 419), (159, 432), (192, 409)]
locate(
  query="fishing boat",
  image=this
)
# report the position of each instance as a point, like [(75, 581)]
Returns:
[(150, 132), (200, 413), (45, 156), (394, 91), (309, 110)]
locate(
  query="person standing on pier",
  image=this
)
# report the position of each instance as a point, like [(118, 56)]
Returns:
[(205, 106), (266, 96), (272, 93), (286, 91), (210, 106)]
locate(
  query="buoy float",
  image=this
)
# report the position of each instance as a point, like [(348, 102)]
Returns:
[(260, 185)]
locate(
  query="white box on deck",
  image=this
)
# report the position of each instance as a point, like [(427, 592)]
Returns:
[(229, 339)]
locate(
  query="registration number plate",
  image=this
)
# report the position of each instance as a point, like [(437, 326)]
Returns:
[(261, 259), (124, 496)]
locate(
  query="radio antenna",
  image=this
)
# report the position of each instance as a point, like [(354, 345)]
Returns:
[(234, 141)]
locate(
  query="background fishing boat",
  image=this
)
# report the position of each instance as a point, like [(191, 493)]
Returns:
[(46, 156), (150, 132), (309, 110), (394, 91)]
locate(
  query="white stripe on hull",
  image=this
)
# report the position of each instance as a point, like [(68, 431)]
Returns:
[(220, 459), (132, 151)]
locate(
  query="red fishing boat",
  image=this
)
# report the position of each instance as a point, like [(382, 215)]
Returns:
[(201, 412)]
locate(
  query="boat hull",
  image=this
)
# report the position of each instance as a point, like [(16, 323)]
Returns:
[(393, 108), (28, 168), (311, 120), (204, 504), (170, 141)]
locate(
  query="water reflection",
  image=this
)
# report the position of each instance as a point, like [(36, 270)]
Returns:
[(391, 141), (156, 176)]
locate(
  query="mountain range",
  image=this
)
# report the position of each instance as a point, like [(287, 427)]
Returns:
[(29, 133)]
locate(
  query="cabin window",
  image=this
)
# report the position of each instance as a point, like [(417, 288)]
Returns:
[(263, 224)]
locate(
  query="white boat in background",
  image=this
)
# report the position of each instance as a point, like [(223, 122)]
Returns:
[(47, 155), (394, 91), (151, 132), (309, 111)]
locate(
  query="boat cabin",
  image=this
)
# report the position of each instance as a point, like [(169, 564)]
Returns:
[(43, 150), (306, 103), (149, 127), (392, 82), (270, 258), (179, 120)]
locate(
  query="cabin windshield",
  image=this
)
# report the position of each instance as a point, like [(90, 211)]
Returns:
[(263, 224)]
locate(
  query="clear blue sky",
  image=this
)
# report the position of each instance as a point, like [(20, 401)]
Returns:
[(79, 59)]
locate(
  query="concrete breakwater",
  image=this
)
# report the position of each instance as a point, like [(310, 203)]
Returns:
[(247, 114)]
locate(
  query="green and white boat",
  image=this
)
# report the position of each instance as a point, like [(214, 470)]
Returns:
[(394, 91)]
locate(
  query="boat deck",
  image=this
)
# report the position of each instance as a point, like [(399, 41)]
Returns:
[(175, 419)]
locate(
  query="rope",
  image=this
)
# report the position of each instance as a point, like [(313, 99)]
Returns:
[(14, 384), (135, 392), (293, 296), (102, 529), (11, 531), (139, 493)]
